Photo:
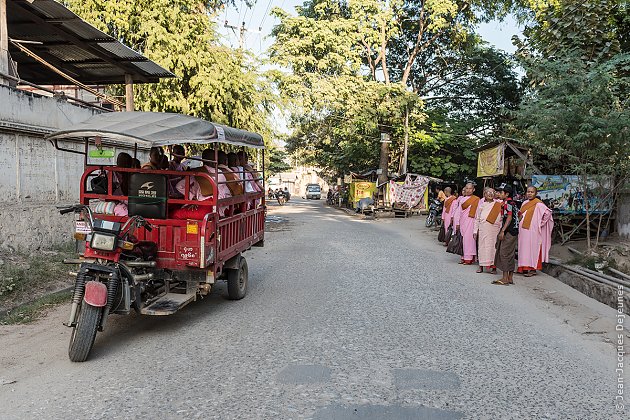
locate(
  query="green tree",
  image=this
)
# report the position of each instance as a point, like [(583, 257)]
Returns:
[(278, 161), (213, 82), (578, 114), (594, 29), (360, 67)]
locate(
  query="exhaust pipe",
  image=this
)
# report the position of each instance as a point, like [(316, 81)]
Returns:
[(140, 263), (142, 277)]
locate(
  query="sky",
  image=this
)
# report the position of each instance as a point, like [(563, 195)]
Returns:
[(259, 24)]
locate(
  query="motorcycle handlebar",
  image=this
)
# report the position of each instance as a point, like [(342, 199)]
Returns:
[(70, 209)]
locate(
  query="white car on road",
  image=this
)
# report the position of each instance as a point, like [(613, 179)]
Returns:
[(313, 191)]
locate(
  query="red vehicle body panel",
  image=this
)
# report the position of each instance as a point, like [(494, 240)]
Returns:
[(188, 244)]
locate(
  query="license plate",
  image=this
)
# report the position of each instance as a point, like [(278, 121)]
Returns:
[(188, 253), (81, 226)]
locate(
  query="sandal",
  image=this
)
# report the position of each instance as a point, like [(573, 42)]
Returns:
[(500, 282), (493, 271), (479, 270), (528, 274)]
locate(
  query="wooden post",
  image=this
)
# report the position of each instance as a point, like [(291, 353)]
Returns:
[(384, 160), (4, 42), (406, 147), (129, 93)]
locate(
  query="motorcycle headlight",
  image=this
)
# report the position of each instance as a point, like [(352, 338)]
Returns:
[(103, 241)]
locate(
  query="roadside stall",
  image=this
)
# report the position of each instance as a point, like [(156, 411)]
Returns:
[(361, 190), (405, 195), (503, 161)]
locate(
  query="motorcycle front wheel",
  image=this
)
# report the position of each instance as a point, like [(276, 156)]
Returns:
[(430, 220), (84, 333)]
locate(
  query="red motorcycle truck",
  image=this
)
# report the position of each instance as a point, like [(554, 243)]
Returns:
[(143, 260)]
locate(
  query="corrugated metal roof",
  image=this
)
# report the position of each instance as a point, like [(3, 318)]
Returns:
[(69, 43)]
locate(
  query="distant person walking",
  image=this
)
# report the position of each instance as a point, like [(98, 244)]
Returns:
[(504, 258), (487, 225), (534, 236)]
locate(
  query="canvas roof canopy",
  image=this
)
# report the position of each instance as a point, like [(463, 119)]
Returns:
[(51, 31), (152, 129)]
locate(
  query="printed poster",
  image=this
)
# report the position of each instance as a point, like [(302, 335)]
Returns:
[(566, 193), (359, 190)]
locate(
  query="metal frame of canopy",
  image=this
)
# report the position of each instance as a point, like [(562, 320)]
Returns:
[(155, 129), (152, 129)]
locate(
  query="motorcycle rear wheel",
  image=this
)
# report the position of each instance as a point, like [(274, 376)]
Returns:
[(430, 220), (237, 280), (84, 333)]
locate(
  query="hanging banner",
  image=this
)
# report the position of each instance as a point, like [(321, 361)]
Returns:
[(359, 190), (566, 193), (411, 193), (491, 162)]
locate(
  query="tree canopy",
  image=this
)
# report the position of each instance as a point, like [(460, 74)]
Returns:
[(577, 63), (213, 81), (357, 68)]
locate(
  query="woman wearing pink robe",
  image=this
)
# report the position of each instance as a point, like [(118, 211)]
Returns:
[(464, 220), (450, 204), (534, 234), (487, 227)]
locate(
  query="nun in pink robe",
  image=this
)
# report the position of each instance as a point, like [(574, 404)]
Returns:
[(464, 218), (487, 226), (534, 234), (448, 211)]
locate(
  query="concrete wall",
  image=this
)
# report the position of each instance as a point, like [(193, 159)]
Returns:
[(603, 293), (34, 176), (623, 214)]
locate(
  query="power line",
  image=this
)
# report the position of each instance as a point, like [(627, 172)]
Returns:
[(240, 10), (249, 24), (266, 12)]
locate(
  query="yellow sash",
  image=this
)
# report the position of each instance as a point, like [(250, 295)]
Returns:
[(472, 202), (525, 210), (494, 213), (448, 203)]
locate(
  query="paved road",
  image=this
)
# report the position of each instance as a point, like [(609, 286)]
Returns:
[(345, 319)]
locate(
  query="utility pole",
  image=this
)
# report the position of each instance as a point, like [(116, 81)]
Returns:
[(241, 32), (404, 165), (383, 177), (4, 42)]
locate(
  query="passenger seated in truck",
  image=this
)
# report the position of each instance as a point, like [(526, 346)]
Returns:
[(250, 176), (178, 155), (236, 188), (120, 186), (155, 159), (121, 179), (250, 173), (201, 190), (176, 164)]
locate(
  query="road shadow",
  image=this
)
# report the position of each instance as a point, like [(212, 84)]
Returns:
[(123, 332)]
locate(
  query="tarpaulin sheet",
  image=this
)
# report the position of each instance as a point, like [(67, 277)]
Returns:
[(410, 193), (491, 162)]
